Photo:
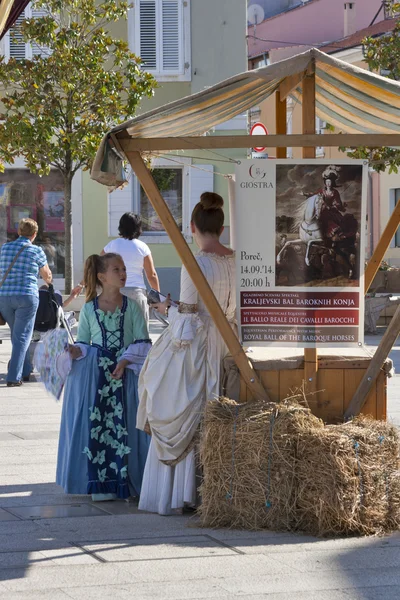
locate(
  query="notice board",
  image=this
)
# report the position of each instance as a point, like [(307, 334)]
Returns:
[(300, 230)]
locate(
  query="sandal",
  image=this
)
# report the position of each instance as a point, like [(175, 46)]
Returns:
[(14, 383)]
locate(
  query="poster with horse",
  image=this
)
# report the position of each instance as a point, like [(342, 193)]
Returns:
[(300, 234)]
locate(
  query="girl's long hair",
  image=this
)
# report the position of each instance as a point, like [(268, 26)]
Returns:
[(94, 265)]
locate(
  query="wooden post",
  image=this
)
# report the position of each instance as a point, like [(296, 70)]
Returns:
[(280, 121), (153, 193), (308, 115), (382, 247), (375, 366)]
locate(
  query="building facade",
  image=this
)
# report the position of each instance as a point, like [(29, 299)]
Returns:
[(188, 45), (329, 26)]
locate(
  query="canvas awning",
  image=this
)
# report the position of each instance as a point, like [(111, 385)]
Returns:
[(351, 99), (9, 13)]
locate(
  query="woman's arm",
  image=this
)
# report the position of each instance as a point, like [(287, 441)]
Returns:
[(189, 295), (46, 274), (151, 273), (74, 294)]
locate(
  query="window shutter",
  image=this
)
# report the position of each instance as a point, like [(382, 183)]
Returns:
[(171, 35), (119, 202), (37, 14), (17, 48), (201, 180), (148, 33)]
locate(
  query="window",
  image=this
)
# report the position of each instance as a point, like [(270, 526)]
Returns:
[(170, 183), (161, 37), (261, 62), (25, 195), (394, 196), (290, 106), (14, 47), (320, 127), (181, 186)]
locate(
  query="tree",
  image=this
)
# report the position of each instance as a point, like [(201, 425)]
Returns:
[(382, 53), (58, 106)]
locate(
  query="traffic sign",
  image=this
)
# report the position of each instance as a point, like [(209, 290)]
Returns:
[(259, 129)]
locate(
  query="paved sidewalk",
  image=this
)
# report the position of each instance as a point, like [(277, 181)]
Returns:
[(58, 547)]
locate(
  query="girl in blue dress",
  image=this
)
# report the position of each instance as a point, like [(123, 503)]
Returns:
[(100, 450)]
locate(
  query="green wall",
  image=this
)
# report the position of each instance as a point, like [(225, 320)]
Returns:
[(218, 51)]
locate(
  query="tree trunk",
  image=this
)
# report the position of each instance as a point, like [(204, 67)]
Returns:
[(68, 232)]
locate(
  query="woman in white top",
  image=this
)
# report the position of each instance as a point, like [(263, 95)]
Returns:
[(183, 369), (136, 256)]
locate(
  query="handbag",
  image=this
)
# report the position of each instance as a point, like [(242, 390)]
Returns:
[(2, 319)]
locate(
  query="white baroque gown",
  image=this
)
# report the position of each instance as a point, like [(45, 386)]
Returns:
[(180, 373)]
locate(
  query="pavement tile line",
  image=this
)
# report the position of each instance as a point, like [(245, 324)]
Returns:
[(18, 511), (7, 510)]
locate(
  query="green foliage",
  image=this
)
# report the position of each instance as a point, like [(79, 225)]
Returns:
[(382, 53), (57, 106), (163, 178)]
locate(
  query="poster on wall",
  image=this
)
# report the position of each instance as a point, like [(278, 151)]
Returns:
[(300, 241), (53, 207)]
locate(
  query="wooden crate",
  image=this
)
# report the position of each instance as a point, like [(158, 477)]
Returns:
[(337, 382)]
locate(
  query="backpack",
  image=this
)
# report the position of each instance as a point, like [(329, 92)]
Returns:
[(48, 310)]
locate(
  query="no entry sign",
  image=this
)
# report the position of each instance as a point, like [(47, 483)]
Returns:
[(259, 129)]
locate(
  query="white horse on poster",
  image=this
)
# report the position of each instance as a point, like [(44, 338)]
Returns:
[(308, 226)]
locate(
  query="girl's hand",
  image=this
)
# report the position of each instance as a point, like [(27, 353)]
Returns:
[(162, 307), (74, 351), (119, 369), (76, 291)]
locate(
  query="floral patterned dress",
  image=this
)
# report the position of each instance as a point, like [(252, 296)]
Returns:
[(100, 450)]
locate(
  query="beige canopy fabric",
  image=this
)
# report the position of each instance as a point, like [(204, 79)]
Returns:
[(351, 99), (9, 12)]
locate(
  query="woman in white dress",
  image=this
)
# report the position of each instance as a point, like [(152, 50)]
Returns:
[(183, 369)]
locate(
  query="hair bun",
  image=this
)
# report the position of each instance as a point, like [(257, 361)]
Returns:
[(211, 201)]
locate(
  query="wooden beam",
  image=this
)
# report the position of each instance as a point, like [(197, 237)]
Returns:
[(280, 120), (339, 363), (382, 247), (375, 366), (153, 193), (290, 83), (205, 142), (308, 120)]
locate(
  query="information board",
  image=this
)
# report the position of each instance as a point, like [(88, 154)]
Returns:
[(300, 241)]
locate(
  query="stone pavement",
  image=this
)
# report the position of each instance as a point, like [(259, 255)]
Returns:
[(58, 547)]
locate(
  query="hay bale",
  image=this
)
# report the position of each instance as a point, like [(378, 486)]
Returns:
[(248, 457), (276, 466), (348, 479)]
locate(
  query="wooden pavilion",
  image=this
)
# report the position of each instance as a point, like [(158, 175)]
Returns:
[(363, 106)]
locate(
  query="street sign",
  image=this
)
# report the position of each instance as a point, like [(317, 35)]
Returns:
[(259, 129)]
